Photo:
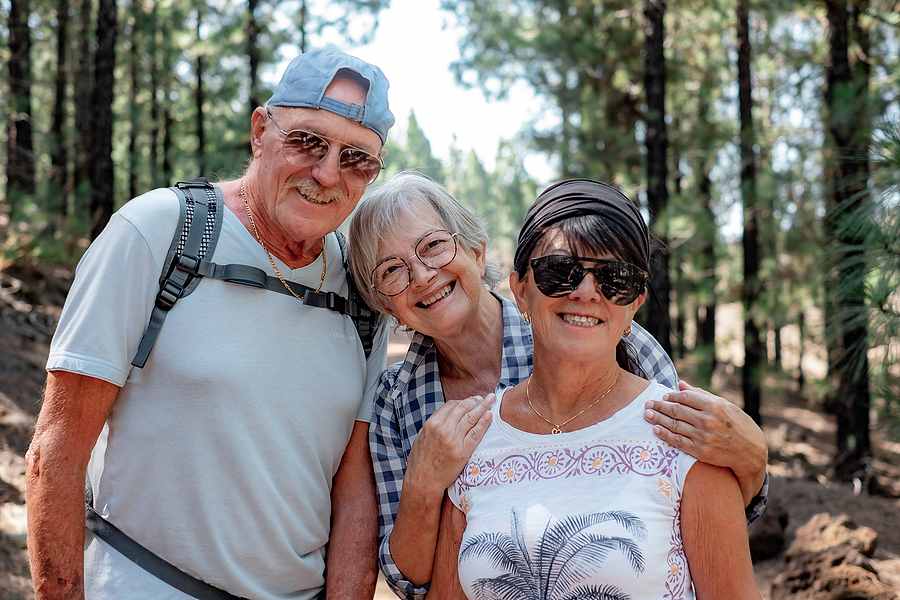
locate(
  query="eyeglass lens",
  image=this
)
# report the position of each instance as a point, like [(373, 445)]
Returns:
[(556, 276), (436, 250), (305, 149)]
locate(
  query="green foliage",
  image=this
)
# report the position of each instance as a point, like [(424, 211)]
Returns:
[(155, 140), (876, 261)]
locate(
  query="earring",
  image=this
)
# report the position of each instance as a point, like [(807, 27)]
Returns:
[(627, 332), (526, 317)]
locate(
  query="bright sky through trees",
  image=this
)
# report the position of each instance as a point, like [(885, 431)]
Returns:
[(414, 45)]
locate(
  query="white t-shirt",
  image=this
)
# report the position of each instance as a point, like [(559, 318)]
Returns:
[(593, 509), (219, 454)]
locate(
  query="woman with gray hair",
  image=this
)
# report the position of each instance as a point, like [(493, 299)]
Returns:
[(419, 256)]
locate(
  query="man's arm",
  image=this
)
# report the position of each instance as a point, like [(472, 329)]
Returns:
[(72, 416), (351, 562)]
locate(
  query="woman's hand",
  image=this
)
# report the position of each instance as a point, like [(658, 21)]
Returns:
[(446, 442), (714, 431), (438, 455)]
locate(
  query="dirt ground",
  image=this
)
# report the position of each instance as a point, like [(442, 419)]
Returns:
[(800, 441)]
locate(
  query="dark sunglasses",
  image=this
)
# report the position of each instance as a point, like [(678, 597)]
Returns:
[(305, 149), (558, 275)]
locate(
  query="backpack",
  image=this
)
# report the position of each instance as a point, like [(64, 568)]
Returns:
[(199, 225)]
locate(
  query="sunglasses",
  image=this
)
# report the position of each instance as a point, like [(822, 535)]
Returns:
[(558, 275), (306, 149), (435, 250)]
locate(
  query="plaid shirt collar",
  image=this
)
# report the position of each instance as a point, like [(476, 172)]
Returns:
[(419, 372)]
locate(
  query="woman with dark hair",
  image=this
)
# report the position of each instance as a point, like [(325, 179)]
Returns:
[(420, 256), (569, 494)]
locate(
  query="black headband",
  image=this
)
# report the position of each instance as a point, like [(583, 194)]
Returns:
[(575, 197)]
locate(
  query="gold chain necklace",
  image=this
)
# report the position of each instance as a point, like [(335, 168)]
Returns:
[(271, 260), (558, 428)]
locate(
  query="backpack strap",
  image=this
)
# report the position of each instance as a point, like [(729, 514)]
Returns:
[(151, 562), (367, 320), (199, 224), (364, 318)]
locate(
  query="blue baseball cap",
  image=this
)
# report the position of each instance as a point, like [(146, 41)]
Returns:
[(306, 77)]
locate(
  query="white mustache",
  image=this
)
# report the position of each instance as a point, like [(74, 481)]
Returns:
[(314, 192)]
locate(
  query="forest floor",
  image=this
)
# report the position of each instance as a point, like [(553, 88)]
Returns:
[(800, 435)]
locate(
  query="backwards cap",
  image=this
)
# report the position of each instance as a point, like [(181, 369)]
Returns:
[(308, 75)]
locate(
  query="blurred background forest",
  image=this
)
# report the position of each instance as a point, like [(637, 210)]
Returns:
[(761, 138)]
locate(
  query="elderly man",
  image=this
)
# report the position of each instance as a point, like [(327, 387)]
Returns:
[(239, 451)]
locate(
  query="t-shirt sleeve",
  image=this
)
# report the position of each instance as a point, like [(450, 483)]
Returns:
[(109, 304)]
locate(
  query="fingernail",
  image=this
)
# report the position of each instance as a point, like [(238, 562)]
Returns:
[(648, 414)]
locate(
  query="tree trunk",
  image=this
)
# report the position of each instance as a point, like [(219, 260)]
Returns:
[(778, 353), (658, 318), (154, 51), (846, 98), (135, 84), (751, 374), (304, 13), (19, 145), (168, 127), (801, 335), (84, 85), (705, 350), (253, 54), (102, 124), (200, 99), (59, 155)]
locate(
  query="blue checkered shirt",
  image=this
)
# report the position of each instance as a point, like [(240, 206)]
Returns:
[(410, 392)]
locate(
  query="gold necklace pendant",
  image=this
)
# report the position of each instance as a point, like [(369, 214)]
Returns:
[(558, 428), (271, 260)]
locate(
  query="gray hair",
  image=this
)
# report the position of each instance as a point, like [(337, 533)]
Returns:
[(377, 214)]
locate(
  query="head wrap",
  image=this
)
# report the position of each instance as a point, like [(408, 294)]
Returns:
[(575, 197)]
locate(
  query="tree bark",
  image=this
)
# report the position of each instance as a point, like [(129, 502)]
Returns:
[(658, 318), (135, 69), (83, 90), (19, 144), (102, 201), (754, 350), (59, 155), (705, 349), (154, 50), (846, 98), (200, 98), (253, 55)]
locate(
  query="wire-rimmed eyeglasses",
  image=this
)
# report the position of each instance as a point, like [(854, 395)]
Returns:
[(435, 250)]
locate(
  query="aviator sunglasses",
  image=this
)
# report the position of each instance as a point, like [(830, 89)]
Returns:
[(306, 149), (559, 275)]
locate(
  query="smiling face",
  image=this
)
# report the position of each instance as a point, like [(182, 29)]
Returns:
[(438, 301), (581, 326), (298, 205)]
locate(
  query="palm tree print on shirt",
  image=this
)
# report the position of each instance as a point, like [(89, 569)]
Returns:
[(566, 554)]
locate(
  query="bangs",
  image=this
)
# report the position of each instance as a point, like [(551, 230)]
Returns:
[(594, 235)]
